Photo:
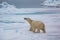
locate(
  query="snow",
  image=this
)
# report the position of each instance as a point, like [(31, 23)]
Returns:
[(51, 2), (19, 30)]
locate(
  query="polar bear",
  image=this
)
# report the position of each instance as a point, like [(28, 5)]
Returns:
[(36, 25)]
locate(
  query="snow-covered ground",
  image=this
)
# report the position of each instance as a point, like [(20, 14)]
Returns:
[(14, 27)]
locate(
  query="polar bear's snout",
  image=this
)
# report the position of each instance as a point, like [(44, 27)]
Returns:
[(25, 18)]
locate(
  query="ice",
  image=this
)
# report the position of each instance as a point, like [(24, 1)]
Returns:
[(11, 9), (19, 30), (51, 2)]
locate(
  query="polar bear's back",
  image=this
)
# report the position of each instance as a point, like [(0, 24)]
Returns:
[(38, 24)]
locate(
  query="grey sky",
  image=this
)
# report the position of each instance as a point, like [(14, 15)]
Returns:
[(24, 3)]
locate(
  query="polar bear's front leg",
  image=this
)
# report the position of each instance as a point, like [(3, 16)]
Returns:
[(31, 28), (34, 29)]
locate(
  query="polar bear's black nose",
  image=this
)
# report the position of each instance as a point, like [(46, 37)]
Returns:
[(25, 18)]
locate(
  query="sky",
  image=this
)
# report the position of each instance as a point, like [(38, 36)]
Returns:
[(24, 3)]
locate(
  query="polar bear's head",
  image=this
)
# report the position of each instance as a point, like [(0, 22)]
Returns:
[(28, 19)]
